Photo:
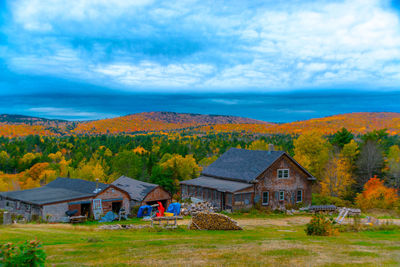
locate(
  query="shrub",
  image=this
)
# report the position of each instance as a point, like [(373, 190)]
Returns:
[(29, 253), (377, 195), (321, 225), (134, 211), (318, 199)]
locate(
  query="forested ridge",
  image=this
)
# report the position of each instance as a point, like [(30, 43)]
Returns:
[(358, 123)]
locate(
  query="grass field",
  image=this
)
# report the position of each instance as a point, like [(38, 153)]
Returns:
[(265, 241)]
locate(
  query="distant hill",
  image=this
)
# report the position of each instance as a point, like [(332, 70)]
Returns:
[(15, 119), (156, 121), (358, 123)]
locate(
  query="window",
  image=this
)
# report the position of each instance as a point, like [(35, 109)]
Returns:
[(184, 190), (299, 196), (281, 195), (265, 198), (229, 199), (283, 173)]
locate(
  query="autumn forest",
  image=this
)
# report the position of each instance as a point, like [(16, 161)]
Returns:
[(342, 152)]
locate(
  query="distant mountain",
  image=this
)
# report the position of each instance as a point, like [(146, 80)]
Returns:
[(358, 123), (156, 121), (14, 119)]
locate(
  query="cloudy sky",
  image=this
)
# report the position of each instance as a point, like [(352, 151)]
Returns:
[(59, 46)]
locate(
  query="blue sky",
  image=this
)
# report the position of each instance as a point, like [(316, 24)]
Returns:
[(142, 46)]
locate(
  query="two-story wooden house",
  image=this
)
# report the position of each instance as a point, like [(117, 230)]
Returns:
[(241, 178)]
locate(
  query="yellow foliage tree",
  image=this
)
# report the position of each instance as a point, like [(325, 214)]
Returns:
[(140, 150), (184, 168), (258, 145), (56, 157), (312, 151), (337, 177), (30, 183), (47, 176), (36, 170), (29, 157)]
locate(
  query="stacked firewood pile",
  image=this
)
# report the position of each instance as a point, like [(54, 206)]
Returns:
[(213, 221), (194, 208)]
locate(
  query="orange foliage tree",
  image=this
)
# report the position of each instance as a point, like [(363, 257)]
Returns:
[(377, 195)]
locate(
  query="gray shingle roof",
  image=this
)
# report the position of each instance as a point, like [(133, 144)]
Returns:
[(61, 189), (77, 185), (242, 164), (137, 190), (218, 184)]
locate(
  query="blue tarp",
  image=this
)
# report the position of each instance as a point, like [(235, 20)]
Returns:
[(174, 208), (144, 211), (109, 217)]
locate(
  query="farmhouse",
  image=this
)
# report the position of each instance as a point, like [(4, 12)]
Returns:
[(242, 178), (142, 193), (63, 194)]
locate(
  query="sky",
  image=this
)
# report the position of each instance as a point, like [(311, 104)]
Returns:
[(144, 48)]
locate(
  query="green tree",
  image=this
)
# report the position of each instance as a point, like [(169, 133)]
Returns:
[(128, 163), (342, 137)]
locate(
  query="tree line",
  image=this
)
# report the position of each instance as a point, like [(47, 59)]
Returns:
[(342, 162)]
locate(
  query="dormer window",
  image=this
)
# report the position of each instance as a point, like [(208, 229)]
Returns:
[(283, 173)]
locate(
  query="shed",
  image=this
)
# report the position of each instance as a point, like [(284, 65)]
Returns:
[(61, 195), (142, 193)]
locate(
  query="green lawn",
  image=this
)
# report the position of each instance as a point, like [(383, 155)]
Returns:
[(259, 244)]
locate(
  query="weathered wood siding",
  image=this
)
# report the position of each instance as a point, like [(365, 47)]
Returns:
[(158, 194), (111, 195), (268, 181)]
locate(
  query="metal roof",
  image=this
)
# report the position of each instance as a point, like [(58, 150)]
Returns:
[(61, 189), (217, 184), (137, 190), (242, 164)]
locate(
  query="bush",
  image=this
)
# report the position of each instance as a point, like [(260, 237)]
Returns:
[(134, 211), (321, 225), (318, 199), (377, 195), (29, 253)]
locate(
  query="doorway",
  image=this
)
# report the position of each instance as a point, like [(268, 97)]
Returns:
[(116, 207), (85, 210)]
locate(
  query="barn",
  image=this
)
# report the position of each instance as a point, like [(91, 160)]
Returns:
[(241, 178), (142, 193), (54, 199)]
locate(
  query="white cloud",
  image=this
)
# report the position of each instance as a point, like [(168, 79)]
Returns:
[(69, 113), (41, 14), (298, 45)]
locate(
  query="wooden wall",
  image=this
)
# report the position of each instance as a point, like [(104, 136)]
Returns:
[(268, 181)]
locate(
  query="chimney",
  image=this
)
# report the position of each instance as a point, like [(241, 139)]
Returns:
[(97, 186), (270, 148)]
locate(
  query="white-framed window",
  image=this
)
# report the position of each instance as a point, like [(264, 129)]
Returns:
[(299, 197), (283, 173), (265, 198), (281, 195)]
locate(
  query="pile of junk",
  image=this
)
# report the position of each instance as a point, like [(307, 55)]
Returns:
[(157, 210)]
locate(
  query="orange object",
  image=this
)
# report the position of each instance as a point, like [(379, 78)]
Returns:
[(161, 210)]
